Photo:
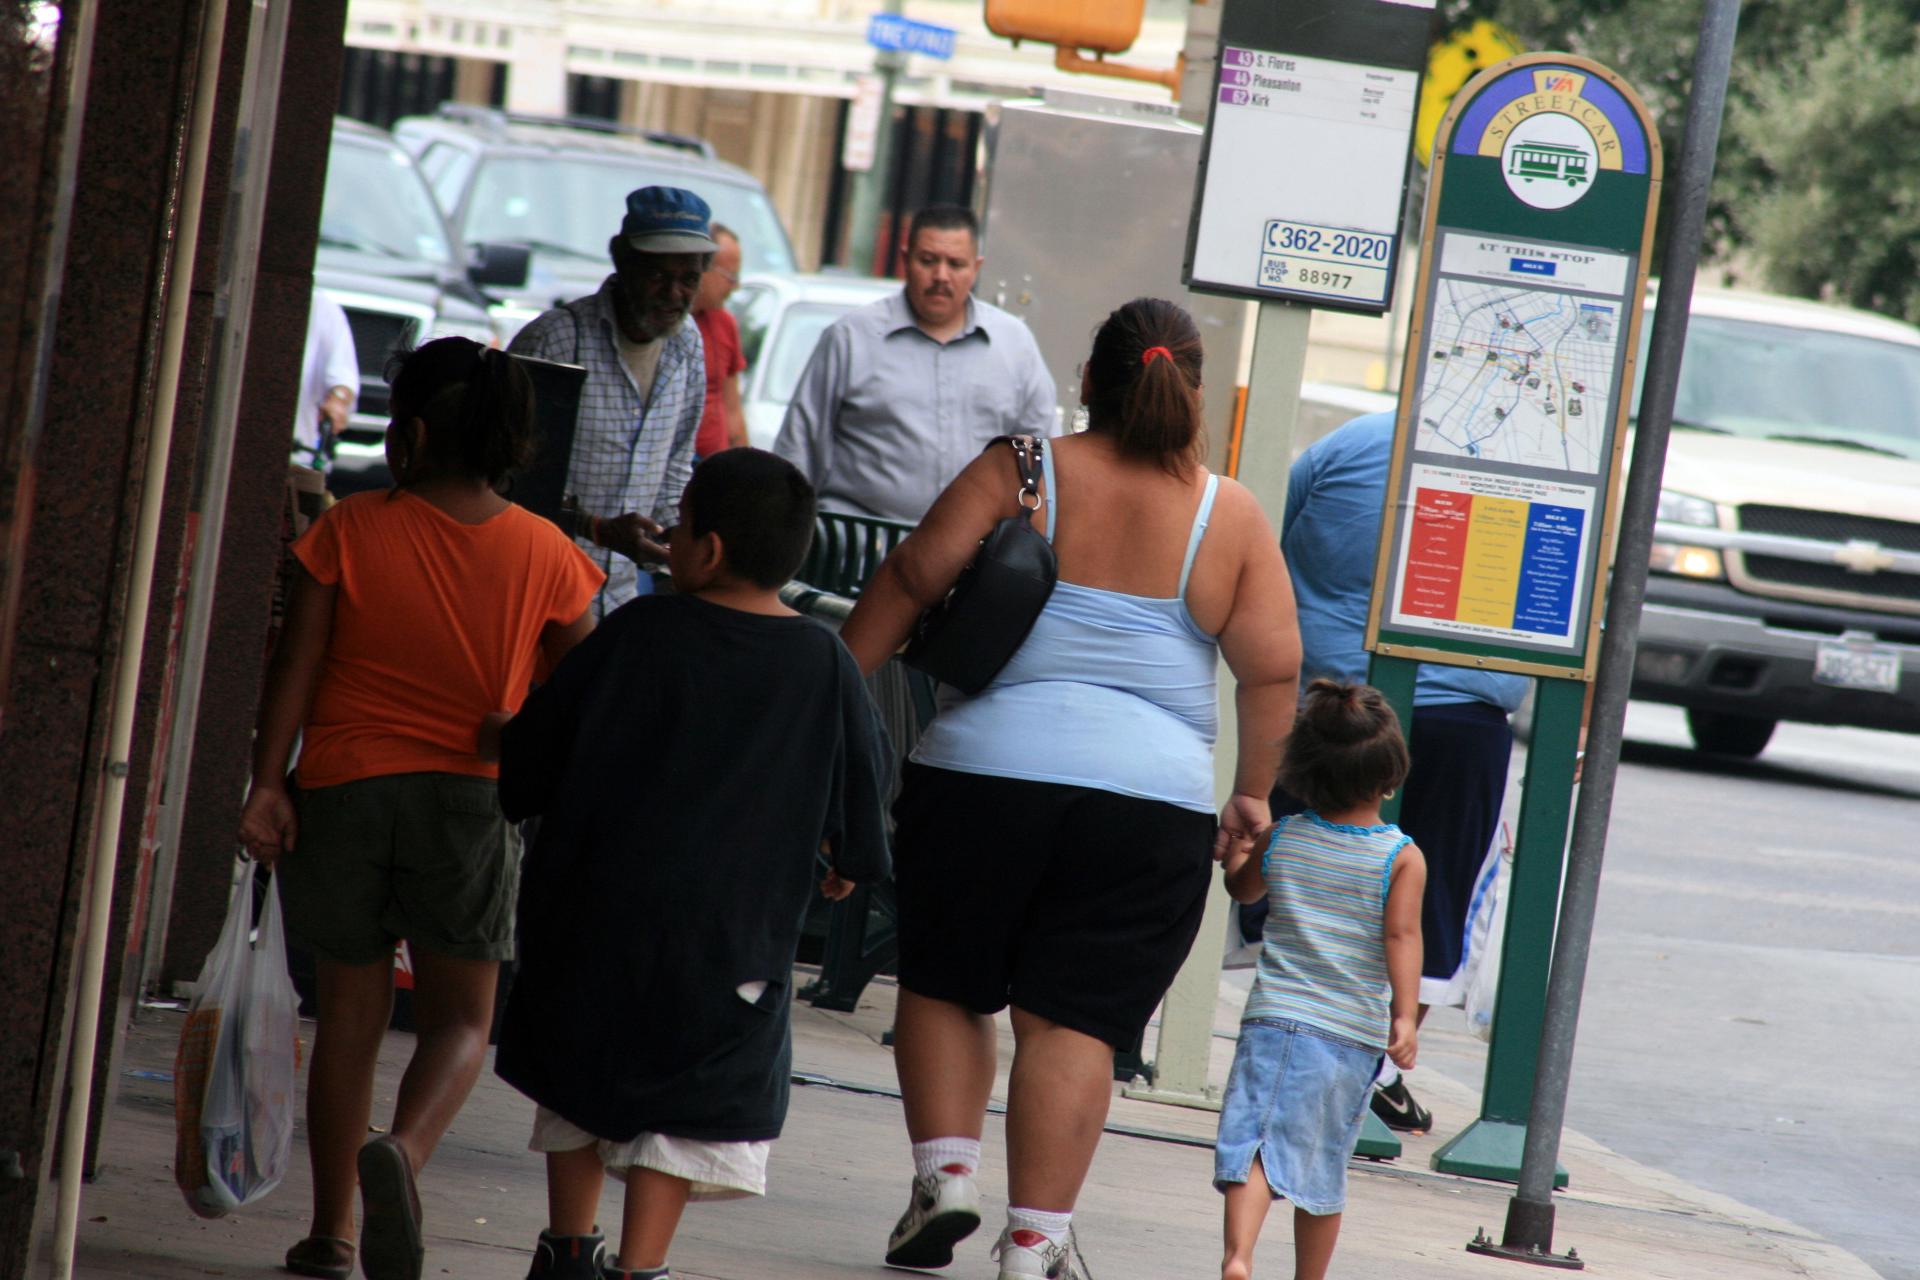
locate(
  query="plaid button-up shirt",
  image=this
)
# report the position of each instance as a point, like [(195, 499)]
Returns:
[(623, 459)]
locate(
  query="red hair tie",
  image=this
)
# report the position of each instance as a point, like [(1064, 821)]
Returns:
[(1146, 357)]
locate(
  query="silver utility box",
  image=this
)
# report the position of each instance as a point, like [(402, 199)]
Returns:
[(1085, 206)]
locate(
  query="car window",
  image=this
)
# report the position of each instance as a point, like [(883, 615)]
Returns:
[(754, 306), (376, 203), (576, 205), (1758, 380), (446, 168), (793, 344)]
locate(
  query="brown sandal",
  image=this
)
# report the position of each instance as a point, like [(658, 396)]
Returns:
[(327, 1257)]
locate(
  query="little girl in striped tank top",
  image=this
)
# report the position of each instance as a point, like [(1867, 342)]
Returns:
[(1338, 982)]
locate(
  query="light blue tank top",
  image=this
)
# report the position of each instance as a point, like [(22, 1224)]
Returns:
[(1110, 691)]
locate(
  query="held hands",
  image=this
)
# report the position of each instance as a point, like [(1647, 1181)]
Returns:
[(834, 886), (1241, 822), (267, 824), (1403, 1041)]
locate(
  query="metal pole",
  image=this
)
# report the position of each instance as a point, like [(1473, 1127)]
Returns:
[(1529, 1225), (873, 189)]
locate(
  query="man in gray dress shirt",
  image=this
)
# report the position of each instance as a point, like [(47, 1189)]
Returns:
[(904, 392)]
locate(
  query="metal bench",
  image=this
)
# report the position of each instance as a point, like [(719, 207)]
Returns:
[(862, 931)]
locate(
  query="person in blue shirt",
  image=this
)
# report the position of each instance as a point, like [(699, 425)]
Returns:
[(1460, 737)]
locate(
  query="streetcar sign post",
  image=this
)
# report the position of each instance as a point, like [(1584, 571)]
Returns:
[(1495, 538)]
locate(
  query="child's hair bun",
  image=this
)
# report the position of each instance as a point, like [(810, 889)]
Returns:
[(1335, 712), (1346, 747)]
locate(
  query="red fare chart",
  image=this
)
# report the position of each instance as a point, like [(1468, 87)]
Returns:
[(1492, 556)]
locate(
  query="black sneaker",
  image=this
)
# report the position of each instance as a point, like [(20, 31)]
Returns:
[(1397, 1109), (568, 1257)]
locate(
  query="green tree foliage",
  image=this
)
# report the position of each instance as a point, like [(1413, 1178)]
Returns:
[(1816, 181), (1838, 211)]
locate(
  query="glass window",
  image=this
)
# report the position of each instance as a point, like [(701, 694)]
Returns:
[(572, 207), (376, 203), (754, 306), (793, 344), (1767, 380), (446, 169)]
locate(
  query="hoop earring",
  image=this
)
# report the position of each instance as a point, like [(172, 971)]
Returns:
[(1387, 795)]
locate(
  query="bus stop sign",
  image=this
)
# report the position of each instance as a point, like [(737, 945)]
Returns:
[(1524, 339)]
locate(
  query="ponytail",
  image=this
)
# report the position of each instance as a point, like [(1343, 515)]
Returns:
[(477, 403), (1144, 384)]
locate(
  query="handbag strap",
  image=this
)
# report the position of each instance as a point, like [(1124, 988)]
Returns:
[(1028, 454)]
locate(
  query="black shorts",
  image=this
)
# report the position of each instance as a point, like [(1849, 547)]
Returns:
[(1072, 903)]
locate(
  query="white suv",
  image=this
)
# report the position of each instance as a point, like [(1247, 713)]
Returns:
[(1786, 572)]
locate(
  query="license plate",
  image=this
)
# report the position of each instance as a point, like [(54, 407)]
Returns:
[(1849, 664)]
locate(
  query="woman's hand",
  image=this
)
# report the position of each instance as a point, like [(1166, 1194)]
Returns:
[(1241, 822), (267, 823), (834, 886)]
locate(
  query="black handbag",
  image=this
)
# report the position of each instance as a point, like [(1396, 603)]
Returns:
[(970, 635)]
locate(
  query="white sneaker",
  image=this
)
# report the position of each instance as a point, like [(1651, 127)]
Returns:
[(1038, 1258), (945, 1208)]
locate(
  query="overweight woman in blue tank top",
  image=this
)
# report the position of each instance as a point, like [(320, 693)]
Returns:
[(1056, 832)]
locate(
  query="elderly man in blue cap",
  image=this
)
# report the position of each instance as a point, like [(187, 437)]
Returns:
[(646, 384)]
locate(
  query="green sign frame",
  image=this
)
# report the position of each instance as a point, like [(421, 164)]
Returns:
[(1497, 532)]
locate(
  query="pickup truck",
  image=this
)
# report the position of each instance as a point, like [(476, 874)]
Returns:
[(1785, 578)]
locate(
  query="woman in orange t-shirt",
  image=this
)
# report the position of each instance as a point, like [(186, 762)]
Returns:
[(416, 615)]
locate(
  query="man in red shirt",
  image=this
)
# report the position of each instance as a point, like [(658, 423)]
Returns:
[(724, 425)]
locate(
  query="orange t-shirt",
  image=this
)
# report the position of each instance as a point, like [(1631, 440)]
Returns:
[(436, 624)]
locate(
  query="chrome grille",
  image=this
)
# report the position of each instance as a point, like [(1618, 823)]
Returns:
[(1830, 526), (1832, 577), (1820, 580)]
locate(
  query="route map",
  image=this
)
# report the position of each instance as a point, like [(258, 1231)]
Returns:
[(1519, 376)]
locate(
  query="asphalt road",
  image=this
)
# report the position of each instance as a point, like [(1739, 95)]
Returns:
[(1751, 1020)]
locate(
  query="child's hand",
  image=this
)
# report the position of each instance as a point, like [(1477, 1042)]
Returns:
[(835, 886), (1403, 1041), (1240, 823), (267, 823), (487, 741)]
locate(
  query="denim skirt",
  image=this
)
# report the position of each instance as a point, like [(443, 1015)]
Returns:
[(1295, 1098)]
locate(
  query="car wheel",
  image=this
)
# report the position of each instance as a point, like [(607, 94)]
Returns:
[(1729, 735)]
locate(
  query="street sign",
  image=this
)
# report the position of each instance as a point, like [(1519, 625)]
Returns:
[(863, 124), (896, 34), (1309, 133), (1523, 343)]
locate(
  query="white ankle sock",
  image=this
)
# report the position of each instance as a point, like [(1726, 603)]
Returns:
[(946, 1155), (1051, 1225), (1387, 1074)]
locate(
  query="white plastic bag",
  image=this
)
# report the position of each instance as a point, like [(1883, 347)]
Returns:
[(1486, 940), (233, 1076)]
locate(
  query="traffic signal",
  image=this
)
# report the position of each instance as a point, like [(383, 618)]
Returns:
[(1098, 26)]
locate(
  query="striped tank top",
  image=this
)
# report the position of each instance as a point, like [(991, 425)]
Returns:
[(1323, 961)]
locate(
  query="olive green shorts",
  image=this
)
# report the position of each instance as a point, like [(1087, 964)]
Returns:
[(427, 857)]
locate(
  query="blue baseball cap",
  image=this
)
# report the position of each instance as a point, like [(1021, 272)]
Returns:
[(667, 220)]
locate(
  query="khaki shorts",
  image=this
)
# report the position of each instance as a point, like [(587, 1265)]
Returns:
[(427, 857), (717, 1170)]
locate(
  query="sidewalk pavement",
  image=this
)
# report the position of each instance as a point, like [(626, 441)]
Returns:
[(839, 1179)]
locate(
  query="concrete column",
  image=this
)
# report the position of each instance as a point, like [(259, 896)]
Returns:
[(71, 530), (250, 550), (537, 77)]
